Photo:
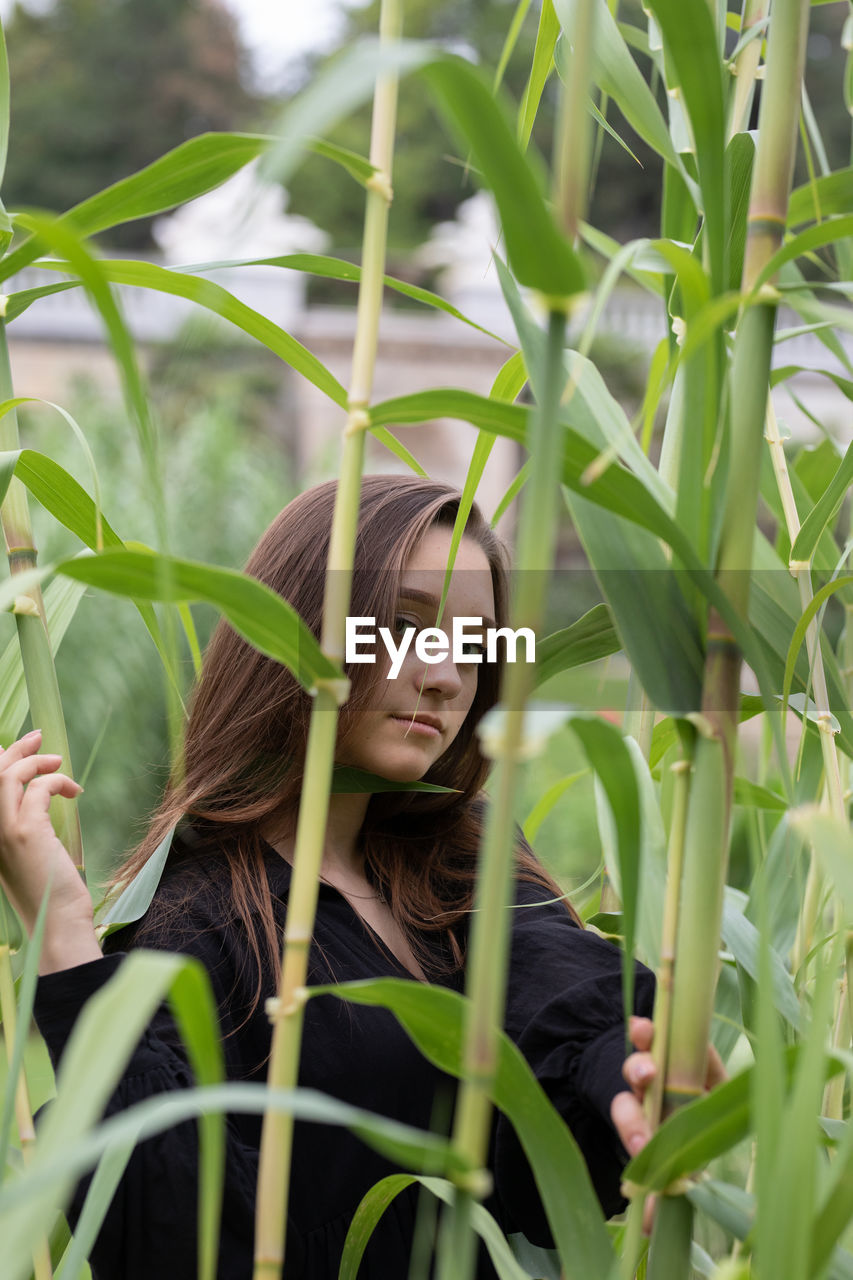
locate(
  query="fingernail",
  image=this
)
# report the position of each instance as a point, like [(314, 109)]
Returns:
[(636, 1142), (644, 1071), (33, 733)]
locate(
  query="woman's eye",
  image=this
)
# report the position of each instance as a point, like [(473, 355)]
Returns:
[(401, 625), (471, 649)]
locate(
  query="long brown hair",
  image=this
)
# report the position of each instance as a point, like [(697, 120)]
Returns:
[(248, 725)]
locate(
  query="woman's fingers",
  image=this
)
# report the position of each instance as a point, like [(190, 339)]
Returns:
[(641, 1031), (639, 1070), (16, 751), (39, 793), (15, 777), (630, 1123)]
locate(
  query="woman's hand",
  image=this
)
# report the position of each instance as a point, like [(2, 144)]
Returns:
[(626, 1109), (32, 859)]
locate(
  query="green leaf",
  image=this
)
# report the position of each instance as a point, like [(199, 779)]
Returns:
[(146, 275), (823, 198), (617, 74), (608, 754), (604, 123), (742, 938), (833, 844), (511, 40), (356, 166), (641, 587), (64, 240), (189, 170), (135, 898), (327, 268), (751, 794), (540, 70), (386, 437), (825, 509), (691, 48), (540, 256), (260, 615), (740, 154), (802, 626), (380, 1196), (828, 232), (592, 637), (546, 803), (434, 1018), (17, 303)]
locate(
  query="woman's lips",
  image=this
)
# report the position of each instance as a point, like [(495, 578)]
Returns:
[(419, 726)]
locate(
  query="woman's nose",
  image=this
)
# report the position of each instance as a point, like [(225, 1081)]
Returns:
[(441, 677)]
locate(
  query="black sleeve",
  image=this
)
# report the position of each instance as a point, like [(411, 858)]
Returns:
[(565, 1013), (150, 1227)]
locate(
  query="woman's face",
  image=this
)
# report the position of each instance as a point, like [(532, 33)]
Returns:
[(416, 715)]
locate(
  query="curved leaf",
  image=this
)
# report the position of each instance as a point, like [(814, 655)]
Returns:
[(260, 615), (187, 171), (691, 46), (824, 509), (212, 296), (379, 1197), (540, 256), (318, 264), (592, 637), (822, 198), (617, 74)]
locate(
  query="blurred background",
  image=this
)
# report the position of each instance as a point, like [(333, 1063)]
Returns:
[(102, 87)]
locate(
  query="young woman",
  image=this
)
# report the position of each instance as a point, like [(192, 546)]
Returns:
[(395, 899)]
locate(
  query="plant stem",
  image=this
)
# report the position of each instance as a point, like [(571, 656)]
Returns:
[(745, 68), (23, 1109), (488, 955), (286, 1011), (709, 806), (36, 653), (669, 931)]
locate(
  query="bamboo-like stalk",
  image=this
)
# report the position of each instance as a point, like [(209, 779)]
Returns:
[(669, 933), (286, 1011), (745, 68), (709, 807), (36, 654), (42, 1267), (488, 955)]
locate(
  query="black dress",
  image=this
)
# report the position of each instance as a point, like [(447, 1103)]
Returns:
[(564, 1011)]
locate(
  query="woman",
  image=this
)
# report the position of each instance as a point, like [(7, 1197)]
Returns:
[(396, 893)]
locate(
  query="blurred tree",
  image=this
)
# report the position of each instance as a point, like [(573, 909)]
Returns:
[(102, 87)]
